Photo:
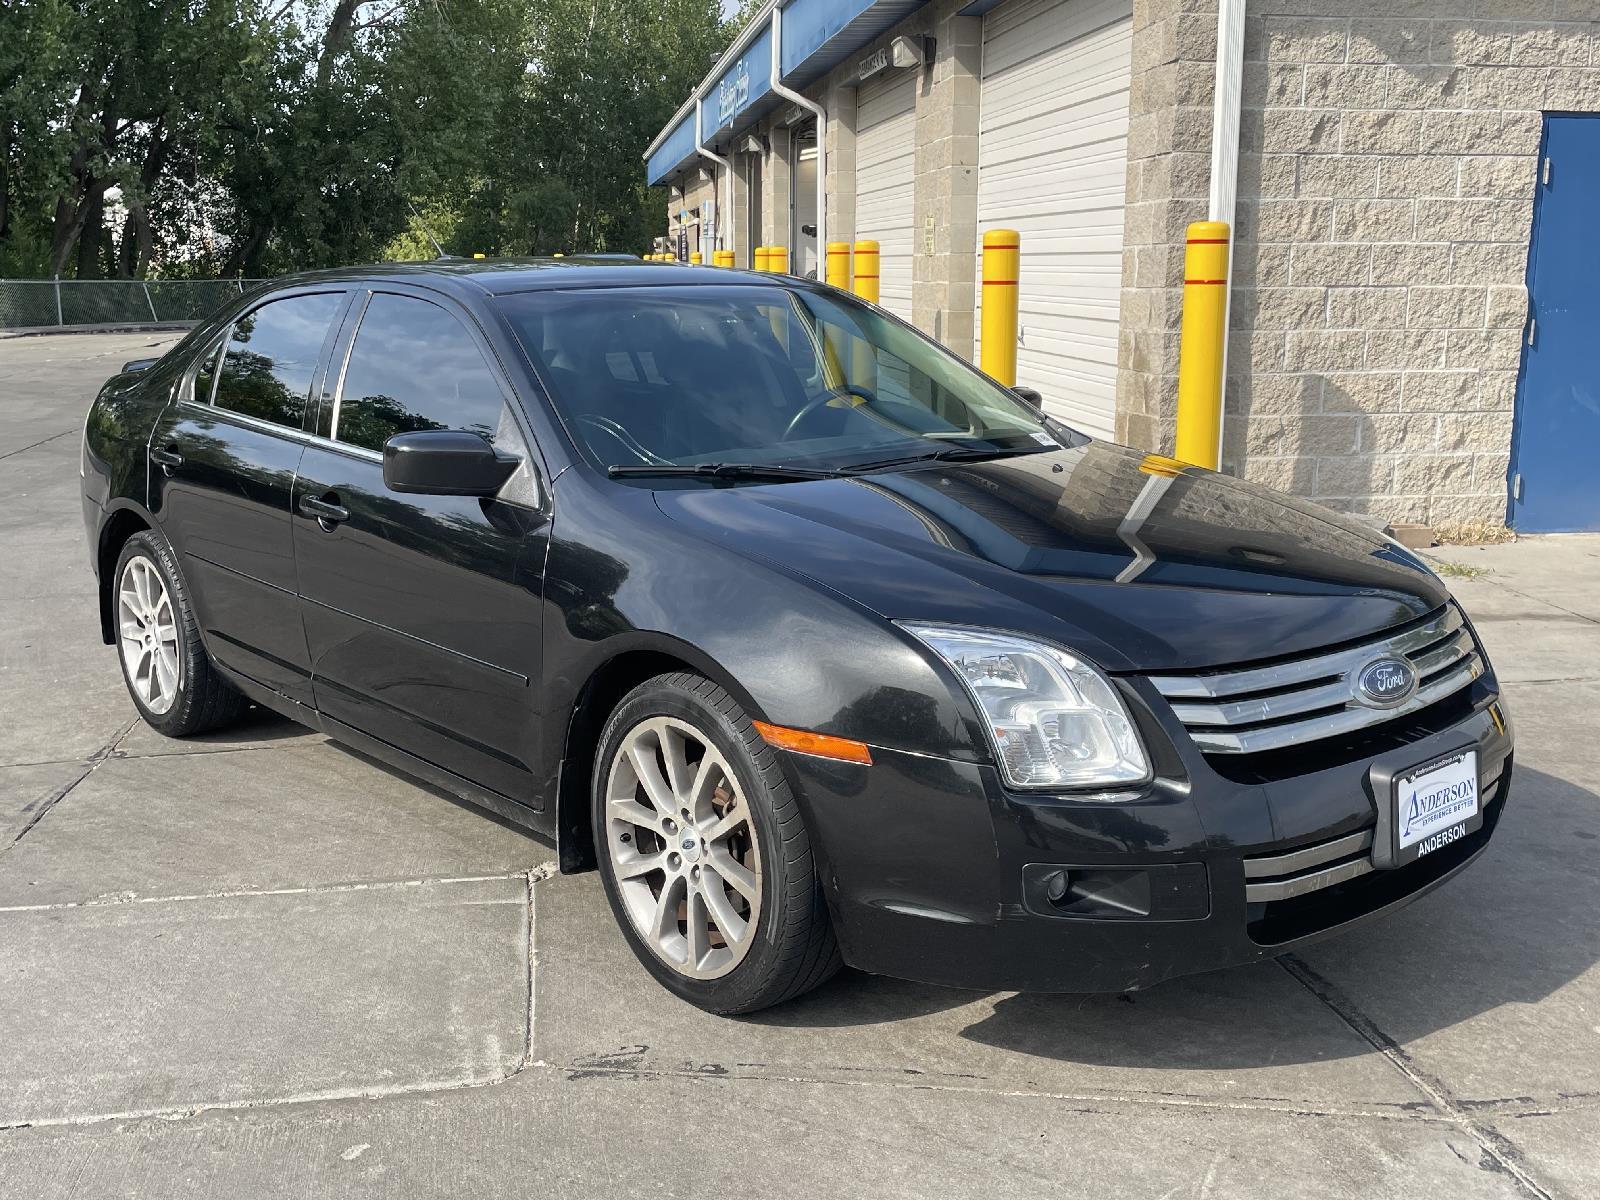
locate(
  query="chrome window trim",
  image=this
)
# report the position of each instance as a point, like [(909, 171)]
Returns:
[(285, 431), (363, 304)]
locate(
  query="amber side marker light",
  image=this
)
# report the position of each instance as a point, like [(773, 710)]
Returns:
[(818, 744)]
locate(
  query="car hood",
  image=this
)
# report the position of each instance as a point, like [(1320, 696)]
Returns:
[(1134, 560)]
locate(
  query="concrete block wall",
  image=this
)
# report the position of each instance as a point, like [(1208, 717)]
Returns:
[(945, 263), (1392, 160), (1169, 148), (1388, 163)]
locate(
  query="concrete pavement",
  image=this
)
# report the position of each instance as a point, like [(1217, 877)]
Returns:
[(259, 964)]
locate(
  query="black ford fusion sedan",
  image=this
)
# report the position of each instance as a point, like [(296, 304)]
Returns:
[(822, 645)]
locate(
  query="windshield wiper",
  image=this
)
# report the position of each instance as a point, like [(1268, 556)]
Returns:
[(720, 471), (948, 454)]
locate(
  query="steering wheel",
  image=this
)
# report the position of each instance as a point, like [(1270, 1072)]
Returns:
[(811, 406), (629, 443)]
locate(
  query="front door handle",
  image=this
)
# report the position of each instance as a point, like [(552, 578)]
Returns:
[(326, 509), (169, 460)]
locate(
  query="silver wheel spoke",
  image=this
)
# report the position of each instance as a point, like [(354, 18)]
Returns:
[(673, 753), (739, 878), (641, 864), (635, 813), (664, 920), (733, 926), (731, 820), (166, 673), (644, 766), (699, 931)]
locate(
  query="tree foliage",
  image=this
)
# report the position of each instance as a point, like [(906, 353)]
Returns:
[(257, 136)]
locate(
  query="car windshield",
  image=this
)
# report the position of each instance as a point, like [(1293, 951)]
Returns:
[(683, 377)]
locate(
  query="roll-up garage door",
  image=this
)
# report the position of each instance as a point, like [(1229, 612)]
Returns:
[(886, 147), (1052, 157)]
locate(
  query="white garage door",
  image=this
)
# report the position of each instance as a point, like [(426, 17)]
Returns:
[(886, 147), (1052, 157)]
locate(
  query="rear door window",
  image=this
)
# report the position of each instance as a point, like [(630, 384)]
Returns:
[(271, 357), (414, 367)]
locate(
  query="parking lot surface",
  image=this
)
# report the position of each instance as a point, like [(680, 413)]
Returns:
[(258, 964)]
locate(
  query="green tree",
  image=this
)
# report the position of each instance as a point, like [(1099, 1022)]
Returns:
[(257, 136)]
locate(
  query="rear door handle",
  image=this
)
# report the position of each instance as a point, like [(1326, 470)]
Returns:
[(325, 509), (169, 460)]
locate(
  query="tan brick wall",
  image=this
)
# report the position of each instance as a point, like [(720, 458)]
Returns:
[(1169, 146), (1387, 173)]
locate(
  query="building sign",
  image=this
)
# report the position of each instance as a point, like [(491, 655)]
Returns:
[(877, 61), (683, 243), (733, 93)]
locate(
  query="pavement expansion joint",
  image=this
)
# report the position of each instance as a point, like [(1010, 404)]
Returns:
[(1584, 617), (1497, 1150), (90, 764), (35, 445), (314, 889), (599, 1068)]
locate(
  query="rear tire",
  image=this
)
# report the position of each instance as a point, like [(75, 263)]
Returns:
[(705, 858), (174, 685)]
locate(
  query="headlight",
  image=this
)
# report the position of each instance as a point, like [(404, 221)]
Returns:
[(1055, 720)]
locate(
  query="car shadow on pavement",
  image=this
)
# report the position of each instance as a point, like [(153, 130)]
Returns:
[(1513, 928), (257, 726)]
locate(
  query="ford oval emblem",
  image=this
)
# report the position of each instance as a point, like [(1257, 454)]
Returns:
[(1386, 682)]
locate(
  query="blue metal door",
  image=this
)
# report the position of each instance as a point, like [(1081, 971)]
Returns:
[(1555, 480)]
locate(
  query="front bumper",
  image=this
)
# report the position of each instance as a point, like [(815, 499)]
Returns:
[(933, 868)]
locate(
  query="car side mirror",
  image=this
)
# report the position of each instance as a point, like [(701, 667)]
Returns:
[(445, 462), (1032, 395), (138, 364)]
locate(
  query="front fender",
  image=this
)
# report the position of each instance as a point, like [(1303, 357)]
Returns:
[(630, 593), (623, 577)]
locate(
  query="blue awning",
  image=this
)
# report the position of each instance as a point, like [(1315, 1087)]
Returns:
[(817, 36)]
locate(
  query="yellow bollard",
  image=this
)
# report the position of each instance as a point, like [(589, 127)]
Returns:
[(997, 341), (760, 263), (722, 258), (476, 255), (838, 274), (694, 257), (1200, 344), (866, 270), (778, 259)]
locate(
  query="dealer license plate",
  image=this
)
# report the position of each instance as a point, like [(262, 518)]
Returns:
[(1436, 804)]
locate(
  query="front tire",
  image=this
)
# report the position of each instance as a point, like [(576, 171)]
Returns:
[(705, 858), (173, 683)]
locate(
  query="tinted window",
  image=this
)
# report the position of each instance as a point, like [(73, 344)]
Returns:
[(414, 367), (734, 373), (271, 357)]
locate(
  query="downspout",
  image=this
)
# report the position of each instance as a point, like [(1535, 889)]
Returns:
[(821, 114), (1225, 103), (718, 160)]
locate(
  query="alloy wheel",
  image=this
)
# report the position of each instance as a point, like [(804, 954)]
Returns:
[(147, 631), (683, 848)]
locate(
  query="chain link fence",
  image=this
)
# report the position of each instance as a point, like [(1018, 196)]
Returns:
[(46, 303)]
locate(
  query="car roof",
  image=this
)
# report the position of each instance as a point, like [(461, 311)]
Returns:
[(499, 276)]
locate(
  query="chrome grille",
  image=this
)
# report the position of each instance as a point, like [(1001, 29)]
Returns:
[(1291, 873), (1290, 704)]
